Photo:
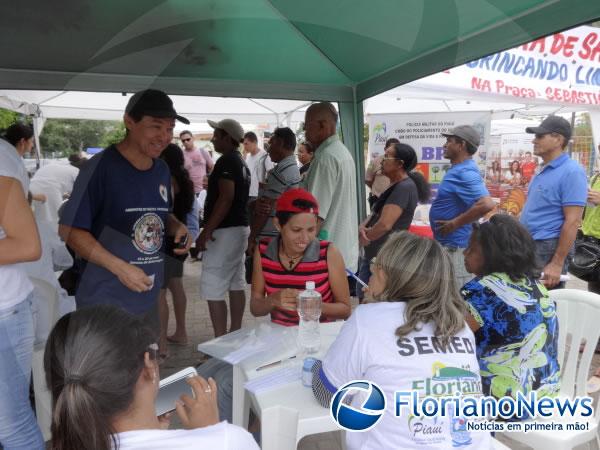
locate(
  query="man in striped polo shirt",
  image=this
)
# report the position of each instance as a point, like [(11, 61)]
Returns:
[(285, 175)]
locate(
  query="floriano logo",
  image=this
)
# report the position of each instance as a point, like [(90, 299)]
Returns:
[(447, 380)]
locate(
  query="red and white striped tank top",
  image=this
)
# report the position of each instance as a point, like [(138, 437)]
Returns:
[(312, 267)]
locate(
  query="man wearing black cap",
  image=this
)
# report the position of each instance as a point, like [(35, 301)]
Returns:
[(119, 212), (462, 197), (555, 199)]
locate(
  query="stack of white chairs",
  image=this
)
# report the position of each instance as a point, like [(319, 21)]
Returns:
[(43, 398), (579, 319)]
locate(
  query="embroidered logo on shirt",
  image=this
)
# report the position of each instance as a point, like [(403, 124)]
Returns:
[(162, 189), (148, 233)]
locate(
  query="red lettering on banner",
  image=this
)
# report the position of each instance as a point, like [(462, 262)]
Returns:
[(572, 96), (515, 91), (530, 47), (590, 47), (564, 45), (481, 84), (569, 46), (557, 43)]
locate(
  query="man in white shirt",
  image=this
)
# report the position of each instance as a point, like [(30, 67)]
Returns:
[(55, 181), (55, 256), (258, 161)]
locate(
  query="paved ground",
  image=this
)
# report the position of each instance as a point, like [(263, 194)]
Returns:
[(200, 330)]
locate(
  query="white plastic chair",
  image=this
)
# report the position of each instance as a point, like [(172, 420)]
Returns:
[(579, 317), (497, 445), (43, 398)]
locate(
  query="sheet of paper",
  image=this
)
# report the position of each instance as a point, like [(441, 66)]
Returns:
[(247, 350), (242, 344), (273, 379)]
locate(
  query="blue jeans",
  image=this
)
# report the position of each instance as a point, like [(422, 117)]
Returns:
[(364, 273), (544, 251), (18, 426), (222, 373)]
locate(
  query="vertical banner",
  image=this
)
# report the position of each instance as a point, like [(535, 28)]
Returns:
[(423, 132), (509, 168)]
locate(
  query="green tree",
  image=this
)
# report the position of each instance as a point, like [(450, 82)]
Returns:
[(583, 125), (7, 118), (113, 136), (64, 136)]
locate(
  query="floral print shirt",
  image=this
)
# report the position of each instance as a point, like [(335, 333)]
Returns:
[(517, 343)]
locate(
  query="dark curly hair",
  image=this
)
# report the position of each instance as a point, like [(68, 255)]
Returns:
[(507, 247), (184, 199), (18, 131), (408, 156)]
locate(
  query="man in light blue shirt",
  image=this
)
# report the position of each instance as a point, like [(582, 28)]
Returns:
[(555, 200), (462, 198), (332, 180)]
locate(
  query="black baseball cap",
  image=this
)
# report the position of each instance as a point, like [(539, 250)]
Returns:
[(153, 103), (552, 124)]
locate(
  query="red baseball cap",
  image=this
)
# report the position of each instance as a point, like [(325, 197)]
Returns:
[(285, 203)]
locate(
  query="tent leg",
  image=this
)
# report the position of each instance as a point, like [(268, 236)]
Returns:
[(352, 123)]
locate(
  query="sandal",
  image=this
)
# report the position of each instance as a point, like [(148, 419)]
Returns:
[(162, 357), (173, 341)]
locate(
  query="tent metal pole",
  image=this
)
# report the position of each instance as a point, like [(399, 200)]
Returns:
[(352, 122), (37, 124)]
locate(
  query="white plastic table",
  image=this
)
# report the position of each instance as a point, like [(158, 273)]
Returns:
[(288, 412)]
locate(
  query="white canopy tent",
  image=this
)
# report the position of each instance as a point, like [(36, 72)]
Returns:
[(419, 97), (110, 106), (414, 97)]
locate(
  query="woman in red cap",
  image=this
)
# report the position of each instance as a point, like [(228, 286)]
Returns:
[(283, 265)]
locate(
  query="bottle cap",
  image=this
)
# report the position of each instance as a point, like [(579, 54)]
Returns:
[(310, 285), (308, 363)]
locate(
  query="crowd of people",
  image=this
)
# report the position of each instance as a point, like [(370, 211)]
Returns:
[(474, 295)]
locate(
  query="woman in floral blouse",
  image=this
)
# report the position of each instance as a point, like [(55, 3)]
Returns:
[(513, 319)]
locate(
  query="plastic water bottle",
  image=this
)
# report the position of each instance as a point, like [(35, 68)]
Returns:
[(309, 310)]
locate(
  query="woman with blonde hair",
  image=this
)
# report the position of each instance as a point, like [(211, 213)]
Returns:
[(411, 336)]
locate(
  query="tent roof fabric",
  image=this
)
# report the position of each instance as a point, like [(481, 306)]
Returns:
[(110, 106), (304, 50)]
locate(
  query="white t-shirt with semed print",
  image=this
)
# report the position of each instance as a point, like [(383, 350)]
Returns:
[(367, 348)]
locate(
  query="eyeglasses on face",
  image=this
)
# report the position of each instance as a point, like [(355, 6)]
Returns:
[(186, 139)]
